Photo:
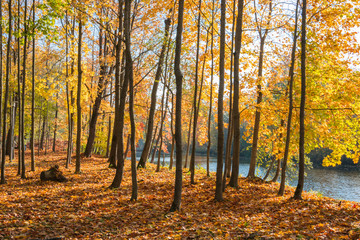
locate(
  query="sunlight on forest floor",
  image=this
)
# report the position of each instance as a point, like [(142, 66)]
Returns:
[(84, 207)]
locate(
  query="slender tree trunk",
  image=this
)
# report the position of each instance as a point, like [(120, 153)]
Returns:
[(192, 159), (163, 115), (230, 127), (220, 147), (150, 126), (55, 127), (189, 136), (172, 133), (179, 79), (253, 158), (128, 68), (20, 139), (288, 126), (78, 103), (32, 136), (1, 75), (23, 176), (114, 140), (236, 114), (6, 94), (211, 90), (300, 185)]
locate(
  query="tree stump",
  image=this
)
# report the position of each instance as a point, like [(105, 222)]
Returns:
[(53, 174)]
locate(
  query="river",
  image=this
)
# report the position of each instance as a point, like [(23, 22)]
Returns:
[(337, 184)]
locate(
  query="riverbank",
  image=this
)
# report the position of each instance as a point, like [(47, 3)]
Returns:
[(84, 207)]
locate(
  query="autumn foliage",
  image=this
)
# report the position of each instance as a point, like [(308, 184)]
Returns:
[(84, 207)]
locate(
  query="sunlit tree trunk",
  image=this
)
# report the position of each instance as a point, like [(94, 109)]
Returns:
[(1, 73), (288, 126), (23, 176), (78, 102), (230, 126), (262, 34), (179, 80), (211, 90), (6, 95), (236, 114), (32, 136), (220, 147), (192, 159), (118, 65), (128, 68), (300, 184)]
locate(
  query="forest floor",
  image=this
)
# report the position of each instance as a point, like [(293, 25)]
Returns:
[(85, 208)]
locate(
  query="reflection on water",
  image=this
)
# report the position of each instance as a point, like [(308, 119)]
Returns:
[(336, 184)]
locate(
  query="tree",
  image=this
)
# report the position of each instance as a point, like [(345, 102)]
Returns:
[(6, 94), (220, 147), (236, 113), (300, 185), (179, 78), (192, 159), (120, 141), (78, 100), (288, 126), (32, 134), (262, 35)]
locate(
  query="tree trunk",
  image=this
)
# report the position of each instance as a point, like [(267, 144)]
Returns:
[(114, 141), (189, 136), (211, 90), (23, 176), (55, 127), (6, 94), (1, 76), (288, 126), (253, 158), (32, 136), (128, 68), (172, 133), (192, 159), (227, 168), (150, 126), (235, 112), (220, 147), (300, 185), (78, 103), (179, 79)]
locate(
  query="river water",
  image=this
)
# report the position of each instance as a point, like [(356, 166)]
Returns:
[(337, 184)]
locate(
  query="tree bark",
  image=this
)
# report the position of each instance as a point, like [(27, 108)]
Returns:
[(288, 126), (300, 185), (253, 157), (211, 90), (118, 64), (179, 79), (78, 103), (235, 112), (192, 159), (32, 136), (6, 94), (128, 68), (220, 147)]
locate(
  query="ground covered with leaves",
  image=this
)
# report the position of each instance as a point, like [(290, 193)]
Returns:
[(85, 208)]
